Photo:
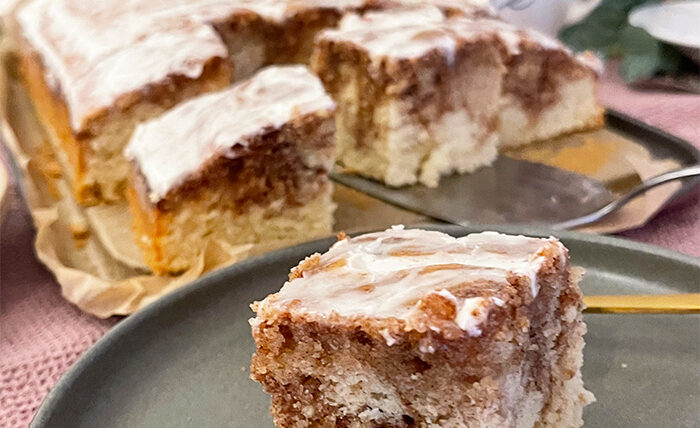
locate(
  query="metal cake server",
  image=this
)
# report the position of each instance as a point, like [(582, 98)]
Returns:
[(687, 172), (510, 191)]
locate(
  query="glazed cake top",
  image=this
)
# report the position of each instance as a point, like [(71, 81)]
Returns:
[(404, 33), (457, 7), (514, 38), (175, 146), (412, 31), (271, 10), (388, 274), (94, 53)]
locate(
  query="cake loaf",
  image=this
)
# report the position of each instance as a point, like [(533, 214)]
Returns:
[(246, 165), (414, 328)]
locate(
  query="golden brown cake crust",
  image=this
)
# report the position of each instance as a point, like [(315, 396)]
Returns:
[(54, 115)]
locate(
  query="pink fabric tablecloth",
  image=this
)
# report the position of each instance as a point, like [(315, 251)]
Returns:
[(42, 334)]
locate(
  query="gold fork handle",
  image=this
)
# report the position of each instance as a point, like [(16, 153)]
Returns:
[(646, 303)]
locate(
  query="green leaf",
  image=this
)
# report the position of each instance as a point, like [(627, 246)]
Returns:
[(638, 67), (642, 54), (636, 41), (606, 31), (599, 31)]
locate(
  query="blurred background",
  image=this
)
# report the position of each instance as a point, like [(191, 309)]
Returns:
[(652, 44)]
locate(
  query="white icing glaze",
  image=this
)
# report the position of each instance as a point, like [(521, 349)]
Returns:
[(465, 6), (271, 10), (95, 52), (513, 36), (593, 62), (471, 314), (404, 33), (390, 340), (173, 147), (411, 32), (386, 274)]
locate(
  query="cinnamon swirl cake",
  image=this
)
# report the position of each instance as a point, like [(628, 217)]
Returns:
[(247, 165), (414, 328), (424, 91), (547, 91), (96, 69), (418, 93)]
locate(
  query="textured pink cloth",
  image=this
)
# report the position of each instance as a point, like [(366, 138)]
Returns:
[(42, 334), (678, 226)]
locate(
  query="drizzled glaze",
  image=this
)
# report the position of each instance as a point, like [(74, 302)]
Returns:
[(173, 147), (94, 52), (413, 31), (514, 37), (388, 274), (406, 33)]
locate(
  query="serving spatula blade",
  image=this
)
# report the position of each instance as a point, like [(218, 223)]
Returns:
[(509, 191)]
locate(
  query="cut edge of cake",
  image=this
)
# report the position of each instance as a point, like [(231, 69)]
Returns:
[(396, 134), (418, 93), (548, 91)]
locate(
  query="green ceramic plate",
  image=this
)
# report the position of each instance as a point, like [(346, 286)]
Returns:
[(183, 361)]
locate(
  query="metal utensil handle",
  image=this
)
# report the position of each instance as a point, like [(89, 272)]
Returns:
[(646, 303), (689, 171)]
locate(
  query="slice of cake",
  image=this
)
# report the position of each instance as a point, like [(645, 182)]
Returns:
[(547, 90), (418, 93), (413, 328), (248, 165), (96, 69)]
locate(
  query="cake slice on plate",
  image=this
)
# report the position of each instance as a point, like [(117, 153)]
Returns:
[(248, 165), (418, 93), (415, 328)]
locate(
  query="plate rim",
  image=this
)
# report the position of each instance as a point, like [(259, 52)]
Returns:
[(126, 326), (636, 12)]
